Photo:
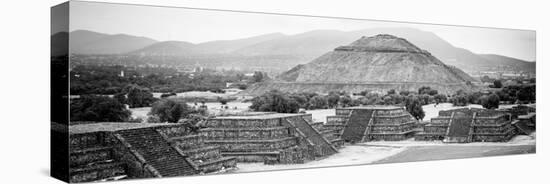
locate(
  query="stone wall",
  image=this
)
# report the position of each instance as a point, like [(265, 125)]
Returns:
[(253, 145), (343, 112), (245, 133), (394, 119), (392, 128), (391, 112), (244, 123), (188, 142), (177, 130), (86, 140), (98, 146)]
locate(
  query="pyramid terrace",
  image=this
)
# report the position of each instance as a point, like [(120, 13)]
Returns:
[(469, 125), (368, 123)]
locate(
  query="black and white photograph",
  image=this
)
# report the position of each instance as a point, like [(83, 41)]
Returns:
[(143, 91)]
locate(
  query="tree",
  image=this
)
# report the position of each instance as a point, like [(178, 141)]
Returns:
[(460, 100), (346, 101), (318, 102), (404, 93), (440, 98), (490, 102), (275, 101), (170, 110), (258, 76), (139, 96), (120, 97), (332, 99), (301, 99), (527, 93), (497, 84), (424, 90), (98, 108), (414, 107), (364, 92)]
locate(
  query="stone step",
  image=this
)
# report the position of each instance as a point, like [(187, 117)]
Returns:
[(157, 152), (96, 171), (90, 155), (217, 164)]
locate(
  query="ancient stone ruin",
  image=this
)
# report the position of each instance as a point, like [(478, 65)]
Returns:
[(106, 151), (368, 123), (524, 118), (270, 138), (469, 125), (378, 63), (139, 152)]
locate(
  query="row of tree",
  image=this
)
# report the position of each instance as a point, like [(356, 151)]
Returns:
[(100, 108), (277, 101), (413, 100), (108, 80)]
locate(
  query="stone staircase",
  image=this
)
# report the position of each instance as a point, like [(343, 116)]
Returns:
[(357, 125), (323, 146), (206, 158), (523, 127), (459, 128), (254, 140), (95, 164), (156, 151)]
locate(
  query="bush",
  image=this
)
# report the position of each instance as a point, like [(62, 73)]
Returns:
[(497, 84), (332, 99), (138, 96), (346, 101), (275, 101), (427, 90), (490, 102), (440, 98), (98, 108), (318, 102), (459, 100), (414, 107), (169, 110)]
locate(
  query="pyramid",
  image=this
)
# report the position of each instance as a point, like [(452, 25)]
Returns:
[(378, 63)]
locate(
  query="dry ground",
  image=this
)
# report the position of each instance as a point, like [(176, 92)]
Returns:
[(406, 151)]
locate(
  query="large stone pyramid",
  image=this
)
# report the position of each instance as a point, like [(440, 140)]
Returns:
[(378, 63)]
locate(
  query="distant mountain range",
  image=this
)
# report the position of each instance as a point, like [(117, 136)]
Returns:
[(303, 47), (88, 42)]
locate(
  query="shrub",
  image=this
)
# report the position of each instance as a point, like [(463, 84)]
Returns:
[(275, 101), (169, 110), (98, 108), (490, 102), (414, 106), (318, 102), (138, 96), (497, 84)]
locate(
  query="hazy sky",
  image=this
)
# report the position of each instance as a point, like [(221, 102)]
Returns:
[(196, 26)]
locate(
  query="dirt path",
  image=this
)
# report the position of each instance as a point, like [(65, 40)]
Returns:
[(423, 153), (350, 155)]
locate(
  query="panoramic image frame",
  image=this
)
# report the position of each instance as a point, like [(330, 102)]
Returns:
[(148, 91)]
